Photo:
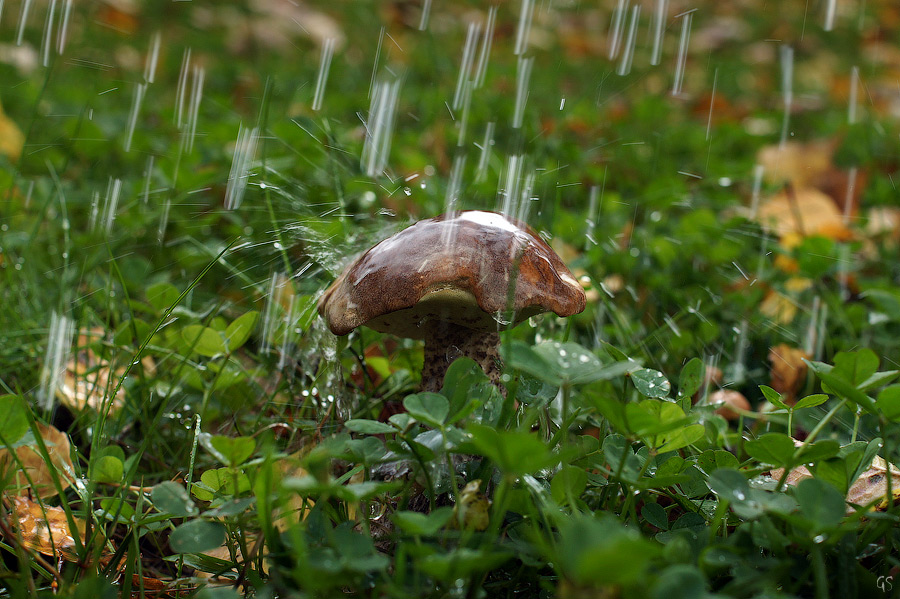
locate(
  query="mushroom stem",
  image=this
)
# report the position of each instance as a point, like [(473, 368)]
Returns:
[(446, 341)]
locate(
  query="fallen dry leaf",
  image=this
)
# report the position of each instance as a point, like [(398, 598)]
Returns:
[(788, 370), (472, 511), (800, 164), (778, 307), (804, 211), (869, 490), (730, 403), (871, 486), (88, 378), (11, 138), (44, 529), (35, 469)]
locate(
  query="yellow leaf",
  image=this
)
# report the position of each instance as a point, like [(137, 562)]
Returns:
[(802, 211), (11, 139), (472, 511)]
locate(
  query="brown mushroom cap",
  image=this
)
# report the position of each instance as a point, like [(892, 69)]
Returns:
[(455, 269)]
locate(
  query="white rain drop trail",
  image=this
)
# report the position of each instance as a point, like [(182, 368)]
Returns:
[(47, 38), (628, 55), (524, 28), (380, 126), (485, 52), (523, 75), (786, 55), (473, 32), (23, 17), (139, 91), (681, 59), (659, 27), (615, 33), (244, 154), (63, 33), (324, 67), (59, 343), (152, 58), (485, 156)]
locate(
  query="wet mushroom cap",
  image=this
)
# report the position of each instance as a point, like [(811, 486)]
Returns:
[(480, 270)]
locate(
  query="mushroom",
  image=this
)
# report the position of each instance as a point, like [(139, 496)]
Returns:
[(455, 281)]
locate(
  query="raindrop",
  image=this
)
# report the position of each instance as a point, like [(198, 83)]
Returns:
[(139, 91), (59, 342), (472, 33), (426, 11), (244, 153), (485, 52), (148, 174), (484, 157), (194, 105), (615, 34), (62, 34), (787, 76), (324, 67), (379, 126), (829, 15), (23, 17), (48, 33), (163, 220), (628, 55), (681, 59), (523, 74), (659, 22), (524, 28), (181, 90), (152, 58)]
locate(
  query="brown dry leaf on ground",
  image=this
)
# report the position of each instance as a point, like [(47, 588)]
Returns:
[(36, 468), (869, 490), (473, 510), (788, 370), (730, 403), (778, 307), (274, 24), (297, 507), (44, 529), (11, 138), (800, 164), (88, 378), (810, 166), (803, 211), (871, 486)]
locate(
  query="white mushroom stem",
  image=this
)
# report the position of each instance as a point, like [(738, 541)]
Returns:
[(446, 341)]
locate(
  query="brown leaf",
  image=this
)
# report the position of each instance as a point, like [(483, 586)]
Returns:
[(730, 403), (44, 529), (869, 490), (804, 211), (788, 370), (800, 164), (871, 486), (35, 468)]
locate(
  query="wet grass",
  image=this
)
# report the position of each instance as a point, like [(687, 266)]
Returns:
[(192, 175)]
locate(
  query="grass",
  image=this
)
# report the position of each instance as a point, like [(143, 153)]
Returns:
[(174, 214)]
